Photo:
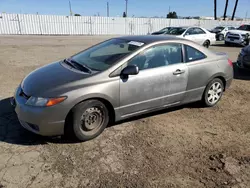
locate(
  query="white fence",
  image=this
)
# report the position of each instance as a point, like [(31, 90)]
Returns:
[(28, 24)]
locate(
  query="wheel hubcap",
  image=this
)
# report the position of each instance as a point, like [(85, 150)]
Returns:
[(92, 119), (214, 93)]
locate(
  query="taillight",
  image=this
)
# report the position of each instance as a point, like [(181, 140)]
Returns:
[(230, 62)]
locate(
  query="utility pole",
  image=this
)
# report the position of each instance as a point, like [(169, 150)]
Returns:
[(126, 8), (70, 10), (246, 16), (235, 7), (107, 9), (169, 9)]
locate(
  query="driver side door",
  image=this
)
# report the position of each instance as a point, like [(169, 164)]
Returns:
[(161, 81)]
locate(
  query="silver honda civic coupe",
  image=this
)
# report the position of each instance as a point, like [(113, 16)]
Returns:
[(117, 79)]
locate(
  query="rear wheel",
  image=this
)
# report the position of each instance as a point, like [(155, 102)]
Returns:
[(213, 92), (90, 118), (206, 44)]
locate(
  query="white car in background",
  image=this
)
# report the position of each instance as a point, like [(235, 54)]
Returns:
[(239, 36), (221, 31), (197, 34)]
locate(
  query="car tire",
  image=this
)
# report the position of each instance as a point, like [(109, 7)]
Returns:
[(221, 37), (206, 44), (213, 92), (90, 118)]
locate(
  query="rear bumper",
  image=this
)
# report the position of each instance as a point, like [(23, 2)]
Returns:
[(43, 121)]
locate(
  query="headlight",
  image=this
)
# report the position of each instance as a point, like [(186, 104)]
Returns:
[(42, 102)]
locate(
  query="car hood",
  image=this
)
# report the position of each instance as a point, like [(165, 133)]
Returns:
[(216, 31), (50, 77), (239, 32)]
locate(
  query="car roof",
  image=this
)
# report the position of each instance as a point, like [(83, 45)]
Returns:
[(147, 39)]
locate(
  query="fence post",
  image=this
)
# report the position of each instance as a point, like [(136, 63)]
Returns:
[(39, 22), (19, 24)]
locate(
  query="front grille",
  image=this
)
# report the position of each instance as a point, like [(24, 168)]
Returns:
[(233, 37), (22, 94)]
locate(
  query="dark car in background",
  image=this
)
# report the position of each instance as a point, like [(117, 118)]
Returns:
[(244, 58)]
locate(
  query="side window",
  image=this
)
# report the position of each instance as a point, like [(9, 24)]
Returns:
[(190, 31), (158, 56), (193, 54), (199, 31)]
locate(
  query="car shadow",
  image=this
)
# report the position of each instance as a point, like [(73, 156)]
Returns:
[(241, 74), (159, 112), (12, 132), (223, 45)]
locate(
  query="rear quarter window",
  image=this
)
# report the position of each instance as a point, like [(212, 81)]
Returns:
[(193, 54)]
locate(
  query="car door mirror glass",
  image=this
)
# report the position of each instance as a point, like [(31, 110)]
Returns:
[(130, 70)]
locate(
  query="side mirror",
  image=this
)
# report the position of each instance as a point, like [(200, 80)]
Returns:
[(130, 70), (186, 34)]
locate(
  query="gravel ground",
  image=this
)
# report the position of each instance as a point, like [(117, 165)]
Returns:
[(188, 146)]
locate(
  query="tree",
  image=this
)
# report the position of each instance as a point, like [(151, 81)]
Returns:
[(215, 9), (225, 11), (124, 15), (77, 14), (172, 15), (235, 7)]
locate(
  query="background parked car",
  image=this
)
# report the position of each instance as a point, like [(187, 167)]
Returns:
[(162, 31), (197, 34), (239, 36), (221, 31), (244, 58)]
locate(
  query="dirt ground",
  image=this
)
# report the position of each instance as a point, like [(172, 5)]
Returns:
[(188, 146)]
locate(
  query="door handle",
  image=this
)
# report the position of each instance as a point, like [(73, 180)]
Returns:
[(178, 71)]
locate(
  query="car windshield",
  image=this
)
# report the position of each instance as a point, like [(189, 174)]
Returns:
[(176, 31), (165, 29), (220, 28), (106, 54), (244, 27)]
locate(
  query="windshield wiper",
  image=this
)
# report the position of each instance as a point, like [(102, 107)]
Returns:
[(78, 66)]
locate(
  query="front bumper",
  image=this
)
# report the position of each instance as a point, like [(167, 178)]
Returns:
[(45, 121), (235, 41)]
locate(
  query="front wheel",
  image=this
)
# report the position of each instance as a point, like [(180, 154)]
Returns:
[(90, 118), (213, 92)]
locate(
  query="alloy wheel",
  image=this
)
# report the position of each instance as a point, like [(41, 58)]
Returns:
[(214, 93)]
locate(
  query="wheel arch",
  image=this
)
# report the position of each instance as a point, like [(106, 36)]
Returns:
[(105, 100), (220, 76)]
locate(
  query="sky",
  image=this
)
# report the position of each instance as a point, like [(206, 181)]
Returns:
[(136, 8)]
